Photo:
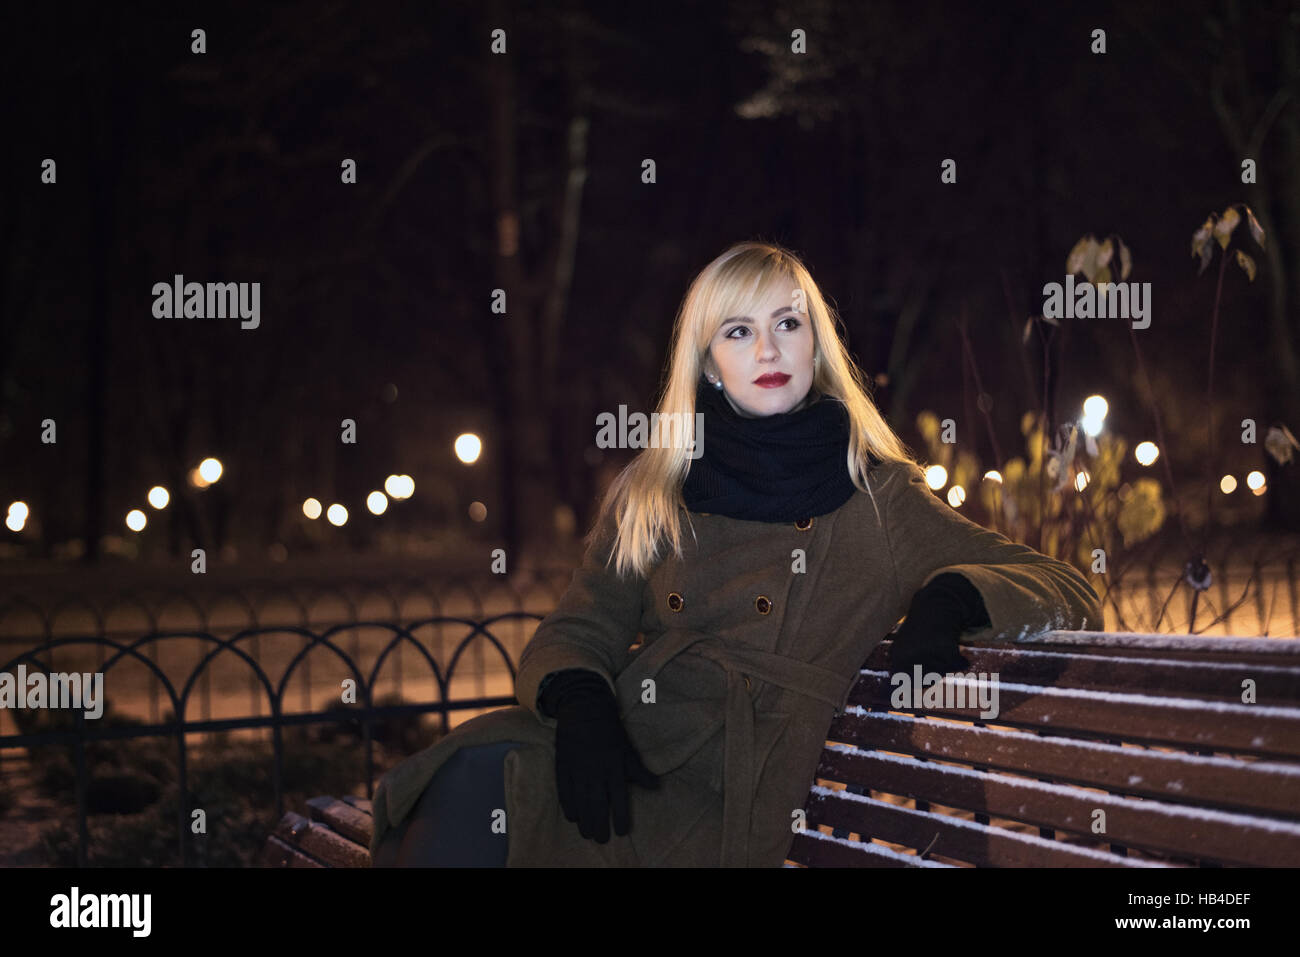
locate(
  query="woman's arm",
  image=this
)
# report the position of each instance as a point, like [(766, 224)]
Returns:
[(591, 628), (1023, 590)]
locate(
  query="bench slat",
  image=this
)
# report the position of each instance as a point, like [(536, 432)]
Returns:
[(1258, 786), (1190, 722), (1147, 824), (342, 818), (276, 853), (1281, 651), (320, 842), (953, 837), (1277, 682), (814, 849), (361, 804)]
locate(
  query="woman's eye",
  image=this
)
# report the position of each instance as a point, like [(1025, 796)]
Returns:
[(731, 334)]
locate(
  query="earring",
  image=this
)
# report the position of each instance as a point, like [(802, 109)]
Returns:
[(717, 383)]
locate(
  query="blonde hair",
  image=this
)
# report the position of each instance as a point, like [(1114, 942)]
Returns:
[(646, 495)]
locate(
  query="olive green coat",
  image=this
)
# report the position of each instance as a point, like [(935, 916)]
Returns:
[(752, 642)]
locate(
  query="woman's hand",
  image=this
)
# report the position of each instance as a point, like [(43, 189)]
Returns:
[(930, 635), (594, 759)]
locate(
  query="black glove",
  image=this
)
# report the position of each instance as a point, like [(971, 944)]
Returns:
[(930, 634), (594, 759)]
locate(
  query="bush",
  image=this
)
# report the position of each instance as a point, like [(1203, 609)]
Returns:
[(150, 762), (405, 734), (133, 802), (230, 781), (124, 793)]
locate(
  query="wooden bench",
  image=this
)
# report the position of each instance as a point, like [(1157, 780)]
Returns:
[(337, 834), (1108, 750), (1145, 736)]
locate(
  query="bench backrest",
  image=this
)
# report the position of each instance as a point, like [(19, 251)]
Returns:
[(1106, 750)]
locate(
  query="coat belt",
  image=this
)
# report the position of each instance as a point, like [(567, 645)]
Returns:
[(739, 662)]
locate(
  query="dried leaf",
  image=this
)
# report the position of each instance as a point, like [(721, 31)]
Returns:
[(1224, 227), (1256, 230), (1077, 261), (1246, 263), (1202, 236), (1281, 444), (1104, 252), (1207, 251), (1093, 249)]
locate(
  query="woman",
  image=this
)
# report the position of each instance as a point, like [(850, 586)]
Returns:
[(811, 532)]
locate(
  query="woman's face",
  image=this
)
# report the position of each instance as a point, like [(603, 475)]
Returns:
[(753, 353)]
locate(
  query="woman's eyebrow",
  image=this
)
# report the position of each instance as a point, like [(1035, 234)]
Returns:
[(749, 320)]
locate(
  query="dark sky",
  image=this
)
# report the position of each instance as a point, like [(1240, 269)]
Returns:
[(225, 166)]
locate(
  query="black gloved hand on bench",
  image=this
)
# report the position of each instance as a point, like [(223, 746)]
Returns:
[(594, 759), (930, 635)]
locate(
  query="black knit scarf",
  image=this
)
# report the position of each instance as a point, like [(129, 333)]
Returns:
[(775, 468)]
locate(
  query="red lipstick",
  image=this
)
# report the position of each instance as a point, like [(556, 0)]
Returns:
[(772, 380)]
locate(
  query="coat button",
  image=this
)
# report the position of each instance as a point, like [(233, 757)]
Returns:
[(763, 604), (675, 601), (803, 524), (748, 684)]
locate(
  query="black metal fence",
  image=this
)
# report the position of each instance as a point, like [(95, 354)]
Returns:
[(178, 728), (34, 620), (1252, 589)]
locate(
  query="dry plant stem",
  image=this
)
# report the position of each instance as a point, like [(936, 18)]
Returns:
[(1160, 436), (1209, 459), (1046, 426), (1209, 456), (969, 357)]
